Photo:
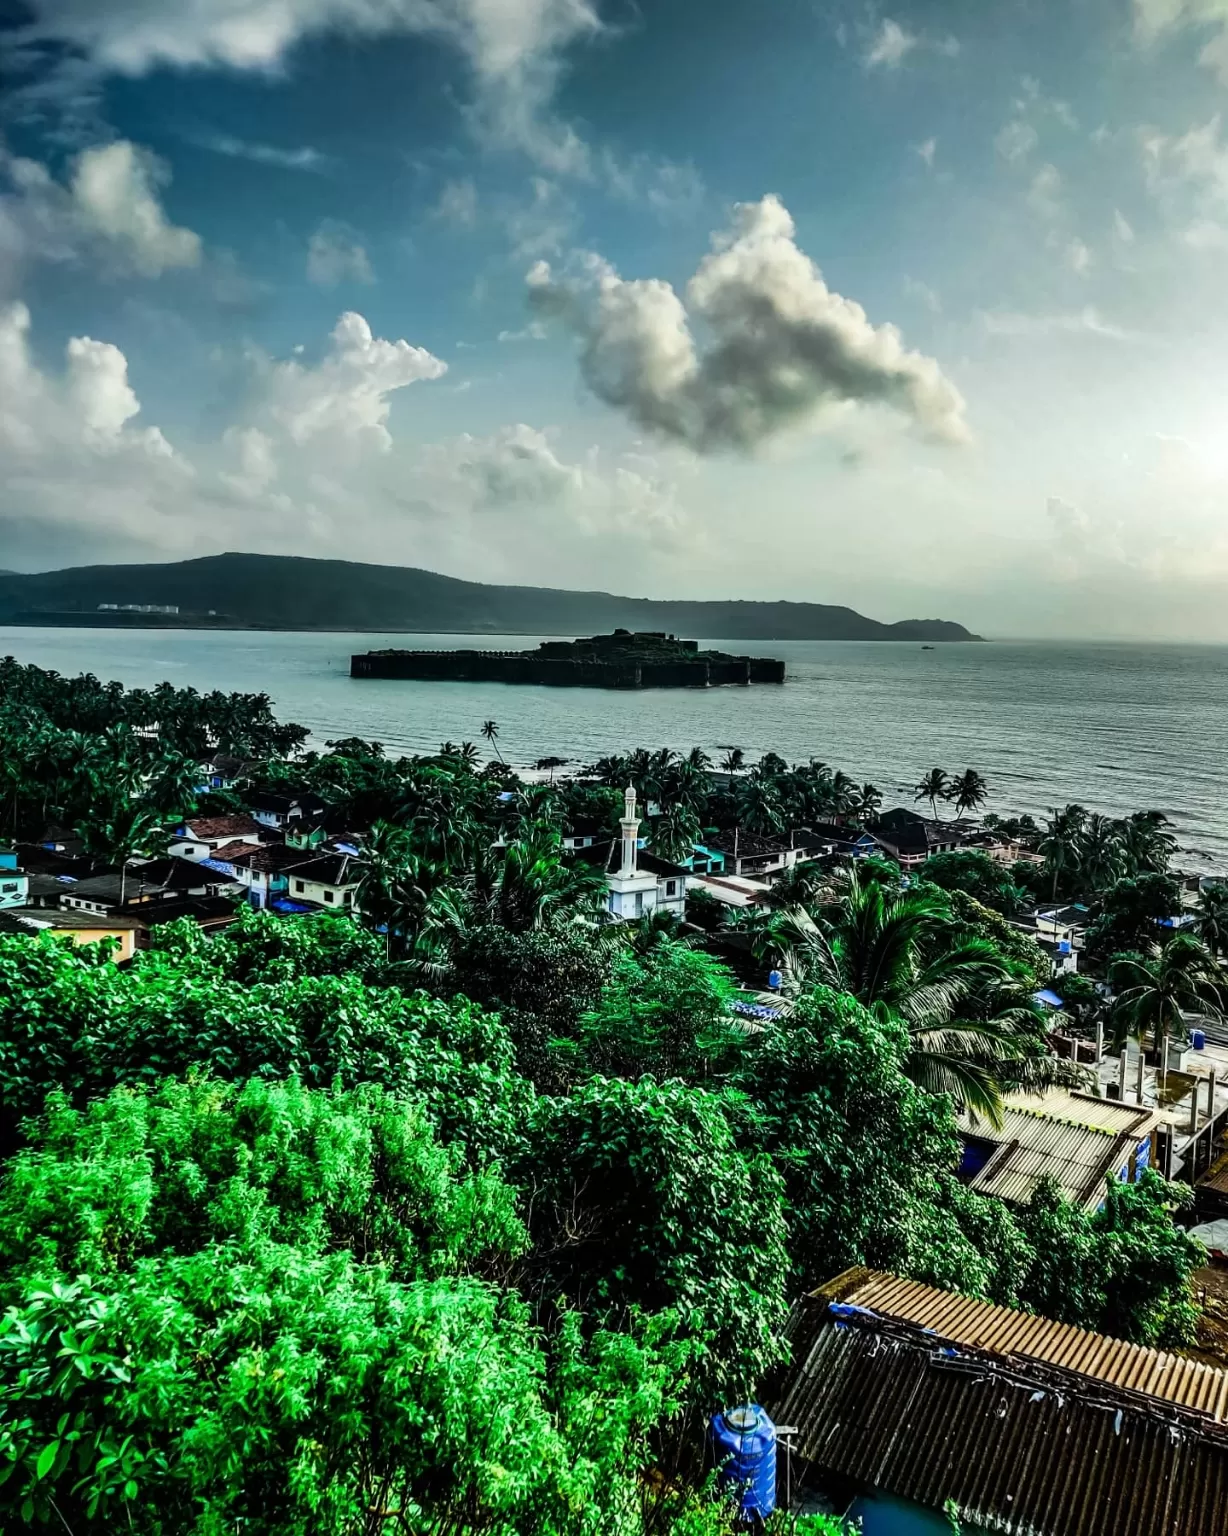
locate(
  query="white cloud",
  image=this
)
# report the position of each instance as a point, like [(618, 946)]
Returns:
[(335, 255), (928, 296), (1045, 192), (114, 191), (1155, 18), (1016, 140), (534, 331), (1198, 158), (1083, 322), (109, 211), (891, 46), (256, 466), (303, 158), (519, 470), (458, 204), (345, 395), (926, 151), (1078, 257), (784, 345), (1123, 230), (893, 43), (512, 47)]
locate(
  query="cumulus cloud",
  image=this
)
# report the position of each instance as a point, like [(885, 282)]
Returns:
[(335, 255), (519, 470), (110, 209), (71, 451), (784, 345), (346, 395)]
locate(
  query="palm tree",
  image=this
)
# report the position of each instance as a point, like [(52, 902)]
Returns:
[(933, 787), (968, 790), (490, 730), (124, 829), (757, 806), (903, 957), (1212, 922), (544, 764), (734, 760), (698, 759), (1154, 994), (1147, 848), (1061, 842), (1100, 852), (867, 802), (675, 832)]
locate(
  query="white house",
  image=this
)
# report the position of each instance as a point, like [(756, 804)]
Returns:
[(198, 838), (329, 880)]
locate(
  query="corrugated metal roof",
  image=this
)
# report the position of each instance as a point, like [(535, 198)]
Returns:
[(1033, 1428), (1023, 1336), (1083, 1109), (1035, 1146)]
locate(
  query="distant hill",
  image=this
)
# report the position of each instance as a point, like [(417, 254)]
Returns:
[(289, 592)]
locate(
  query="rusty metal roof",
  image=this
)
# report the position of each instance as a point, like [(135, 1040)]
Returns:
[(1033, 1428)]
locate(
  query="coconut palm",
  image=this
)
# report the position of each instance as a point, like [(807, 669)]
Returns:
[(866, 803), (901, 954), (1212, 922), (734, 760), (968, 791), (698, 759), (933, 787), (118, 833), (1101, 857), (1062, 841), (757, 806), (675, 832), (1146, 847), (490, 730), (1155, 993), (549, 764)]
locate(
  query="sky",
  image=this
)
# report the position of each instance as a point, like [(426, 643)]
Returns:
[(915, 307)]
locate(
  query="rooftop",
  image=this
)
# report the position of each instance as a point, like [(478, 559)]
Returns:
[(1030, 1427), (206, 829)]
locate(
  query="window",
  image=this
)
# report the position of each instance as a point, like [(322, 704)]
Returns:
[(328, 896), (671, 887), (298, 885), (347, 897)]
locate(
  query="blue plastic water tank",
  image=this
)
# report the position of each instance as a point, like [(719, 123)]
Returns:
[(774, 979), (744, 1448), (1198, 1039)]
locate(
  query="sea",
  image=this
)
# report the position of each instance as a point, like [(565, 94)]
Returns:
[(1117, 727)]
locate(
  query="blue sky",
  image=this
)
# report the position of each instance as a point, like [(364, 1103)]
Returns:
[(917, 307)]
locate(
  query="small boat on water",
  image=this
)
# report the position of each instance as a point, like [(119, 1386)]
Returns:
[(927, 647)]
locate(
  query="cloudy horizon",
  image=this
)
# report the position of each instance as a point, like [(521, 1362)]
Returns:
[(909, 307)]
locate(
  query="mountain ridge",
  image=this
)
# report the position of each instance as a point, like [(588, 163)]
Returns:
[(299, 592)]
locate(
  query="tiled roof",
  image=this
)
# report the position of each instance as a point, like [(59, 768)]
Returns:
[(329, 869), (1029, 1427), (206, 828)]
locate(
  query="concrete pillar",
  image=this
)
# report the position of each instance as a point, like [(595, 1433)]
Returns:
[(1162, 1068), (1194, 1111), (1211, 1095), (1099, 1040), (1122, 1079), (1142, 1063)]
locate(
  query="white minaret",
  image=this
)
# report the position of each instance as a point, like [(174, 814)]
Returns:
[(631, 833)]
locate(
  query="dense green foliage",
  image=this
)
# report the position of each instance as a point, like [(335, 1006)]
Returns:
[(457, 1218)]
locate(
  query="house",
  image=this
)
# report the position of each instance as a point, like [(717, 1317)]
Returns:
[(584, 832), (912, 1409), (264, 872), (911, 839), (749, 854), (278, 810), (100, 894), (639, 883), (209, 913), (14, 883), (221, 771), (78, 927), (1075, 1139), (198, 837), (328, 880), (704, 861), (829, 838)]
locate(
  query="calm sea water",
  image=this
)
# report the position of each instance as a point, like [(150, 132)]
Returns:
[(1116, 727)]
